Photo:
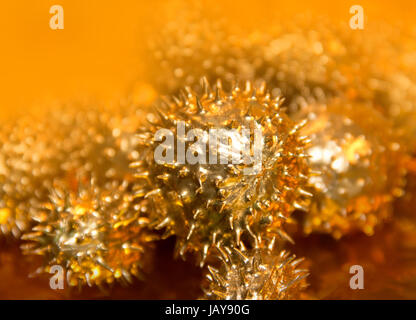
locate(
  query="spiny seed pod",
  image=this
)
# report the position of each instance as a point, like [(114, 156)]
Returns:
[(97, 235), (310, 62), (36, 150), (204, 200), (105, 145), (361, 164), (294, 61), (195, 43), (32, 151), (307, 59), (297, 65), (378, 68), (256, 274)]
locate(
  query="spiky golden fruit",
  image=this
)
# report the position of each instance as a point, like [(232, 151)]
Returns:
[(256, 274), (61, 143), (311, 59), (301, 61), (314, 62), (193, 43), (207, 203), (98, 235), (361, 167), (32, 152), (104, 145), (296, 62), (307, 59)]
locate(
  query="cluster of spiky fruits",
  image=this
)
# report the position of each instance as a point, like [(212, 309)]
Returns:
[(221, 164)]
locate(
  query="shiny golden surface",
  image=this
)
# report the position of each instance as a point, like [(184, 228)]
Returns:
[(307, 59), (206, 205), (192, 44), (34, 152), (61, 143), (359, 164), (258, 274), (388, 258), (98, 235)]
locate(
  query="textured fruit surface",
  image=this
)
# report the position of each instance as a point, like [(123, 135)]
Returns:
[(361, 168), (208, 203), (97, 235), (308, 59), (60, 144), (258, 274)]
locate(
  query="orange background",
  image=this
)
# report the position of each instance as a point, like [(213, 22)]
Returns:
[(98, 54)]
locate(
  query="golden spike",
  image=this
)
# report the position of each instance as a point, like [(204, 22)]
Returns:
[(198, 105), (238, 235), (191, 230), (164, 223), (205, 87), (204, 255), (242, 255)]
